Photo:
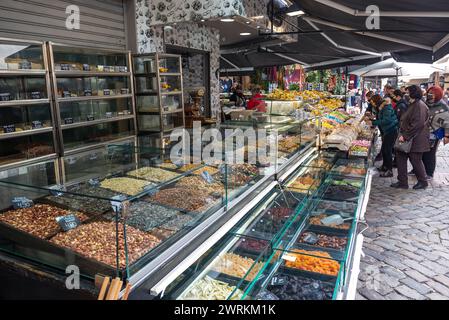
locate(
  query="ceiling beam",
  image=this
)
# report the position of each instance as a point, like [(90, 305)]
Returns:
[(230, 63), (286, 57), (344, 47), (330, 62), (368, 34), (409, 14), (441, 43)]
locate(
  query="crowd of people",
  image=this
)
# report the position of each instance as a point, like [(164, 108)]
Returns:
[(412, 124)]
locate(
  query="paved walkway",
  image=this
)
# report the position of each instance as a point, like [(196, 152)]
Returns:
[(407, 244)]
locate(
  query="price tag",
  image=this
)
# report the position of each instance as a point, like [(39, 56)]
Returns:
[(278, 281), (90, 117), (87, 93), (108, 114), (9, 128), (71, 160), (57, 190), (22, 202), (65, 67), (35, 95), (117, 205), (93, 156), (68, 120), (36, 124), (107, 92), (94, 182), (68, 222), (206, 176), (289, 258)]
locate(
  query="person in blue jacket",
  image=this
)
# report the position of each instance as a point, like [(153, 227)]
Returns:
[(388, 123)]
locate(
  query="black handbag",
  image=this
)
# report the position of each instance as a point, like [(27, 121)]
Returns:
[(404, 146)]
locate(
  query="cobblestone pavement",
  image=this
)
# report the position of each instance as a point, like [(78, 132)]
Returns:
[(407, 244)]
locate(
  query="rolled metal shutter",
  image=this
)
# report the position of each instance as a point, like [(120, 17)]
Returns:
[(102, 22)]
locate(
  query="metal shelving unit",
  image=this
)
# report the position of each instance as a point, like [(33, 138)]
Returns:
[(27, 63), (153, 73), (84, 61)]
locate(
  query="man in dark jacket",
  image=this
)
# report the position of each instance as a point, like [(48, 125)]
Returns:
[(413, 128), (438, 127)]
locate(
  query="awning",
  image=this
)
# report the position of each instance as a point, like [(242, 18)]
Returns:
[(391, 68), (334, 33)]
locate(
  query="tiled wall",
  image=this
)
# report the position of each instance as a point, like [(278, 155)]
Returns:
[(189, 35)]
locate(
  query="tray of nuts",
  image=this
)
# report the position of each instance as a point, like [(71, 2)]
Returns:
[(38, 220), (145, 216), (97, 241), (84, 198), (153, 174), (128, 186), (215, 188), (186, 200)]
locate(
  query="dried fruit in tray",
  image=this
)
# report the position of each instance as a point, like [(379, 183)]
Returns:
[(303, 260), (255, 245), (303, 183), (237, 266), (295, 287), (211, 289), (317, 221), (324, 241), (38, 220), (97, 240)]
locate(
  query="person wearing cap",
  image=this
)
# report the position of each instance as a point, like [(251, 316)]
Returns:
[(438, 127)]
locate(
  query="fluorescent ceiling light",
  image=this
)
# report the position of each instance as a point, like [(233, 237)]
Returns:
[(295, 13), (227, 20), (245, 34)]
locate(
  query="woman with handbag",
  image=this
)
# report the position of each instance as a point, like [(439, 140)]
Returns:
[(413, 140)]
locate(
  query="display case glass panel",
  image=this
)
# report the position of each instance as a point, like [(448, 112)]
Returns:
[(24, 118), (83, 111), (27, 147), (147, 104), (22, 88), (148, 122), (169, 64), (67, 58), (144, 64), (146, 84), (17, 56), (170, 84), (84, 136), (92, 86)]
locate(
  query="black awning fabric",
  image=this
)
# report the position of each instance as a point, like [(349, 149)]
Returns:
[(406, 39)]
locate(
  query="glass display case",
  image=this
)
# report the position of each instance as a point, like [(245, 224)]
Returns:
[(26, 113), (290, 246), (94, 95), (159, 96)]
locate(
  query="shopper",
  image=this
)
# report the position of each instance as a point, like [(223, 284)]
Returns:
[(401, 104), (371, 115), (237, 96), (413, 128), (446, 96), (256, 102), (387, 122), (389, 93), (438, 127)]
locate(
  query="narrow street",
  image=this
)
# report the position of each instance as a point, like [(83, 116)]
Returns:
[(407, 244)]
